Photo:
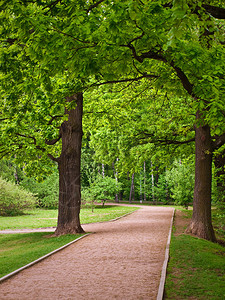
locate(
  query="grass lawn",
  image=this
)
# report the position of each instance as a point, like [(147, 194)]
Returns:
[(17, 250), (38, 218), (196, 268)]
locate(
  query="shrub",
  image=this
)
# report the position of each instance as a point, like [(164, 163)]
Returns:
[(181, 180), (46, 191), (101, 189), (14, 199), (87, 199)]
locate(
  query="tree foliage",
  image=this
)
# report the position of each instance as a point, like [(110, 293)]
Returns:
[(181, 181), (51, 50)]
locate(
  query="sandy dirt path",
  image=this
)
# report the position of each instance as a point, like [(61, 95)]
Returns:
[(121, 260)]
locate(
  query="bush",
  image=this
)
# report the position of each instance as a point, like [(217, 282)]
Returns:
[(102, 189), (87, 199), (46, 191), (14, 199)]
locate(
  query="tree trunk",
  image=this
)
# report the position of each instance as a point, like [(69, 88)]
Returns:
[(201, 223), (103, 170), (140, 188), (153, 184), (131, 189), (220, 174), (144, 181), (69, 170), (116, 177)]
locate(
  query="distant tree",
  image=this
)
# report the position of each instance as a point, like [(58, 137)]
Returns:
[(181, 181)]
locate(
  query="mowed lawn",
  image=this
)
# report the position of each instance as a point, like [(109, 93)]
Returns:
[(196, 268), (39, 218)]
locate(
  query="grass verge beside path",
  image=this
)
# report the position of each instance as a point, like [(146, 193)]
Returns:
[(38, 218), (196, 268), (17, 250)]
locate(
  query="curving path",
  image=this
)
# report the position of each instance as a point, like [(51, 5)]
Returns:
[(121, 260)]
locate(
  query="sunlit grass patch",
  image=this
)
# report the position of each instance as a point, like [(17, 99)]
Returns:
[(39, 218), (196, 269), (17, 250)]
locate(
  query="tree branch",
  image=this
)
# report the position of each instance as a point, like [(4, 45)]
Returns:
[(168, 142), (53, 118), (53, 142), (28, 136), (161, 141), (52, 4), (39, 147), (219, 141), (53, 158), (4, 153), (94, 5), (158, 56), (216, 12), (183, 78), (126, 80), (69, 35)]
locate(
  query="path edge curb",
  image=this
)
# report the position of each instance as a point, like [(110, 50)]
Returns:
[(41, 258), (165, 263)]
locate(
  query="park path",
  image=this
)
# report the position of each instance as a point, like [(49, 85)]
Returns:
[(121, 260)]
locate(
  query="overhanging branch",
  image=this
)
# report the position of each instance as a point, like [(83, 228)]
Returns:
[(216, 12), (151, 76), (94, 5), (219, 141), (53, 141), (151, 138), (39, 147)]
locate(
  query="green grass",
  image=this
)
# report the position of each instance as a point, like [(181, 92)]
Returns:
[(48, 218), (196, 269), (17, 250)]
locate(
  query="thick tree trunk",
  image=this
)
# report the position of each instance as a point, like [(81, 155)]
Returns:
[(69, 170), (201, 223)]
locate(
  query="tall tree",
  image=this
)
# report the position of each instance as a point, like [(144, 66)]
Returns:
[(41, 110), (181, 43)]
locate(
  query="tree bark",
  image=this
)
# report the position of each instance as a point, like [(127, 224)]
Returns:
[(144, 181), (201, 223), (220, 173), (153, 184), (115, 173), (131, 189), (140, 189), (69, 170)]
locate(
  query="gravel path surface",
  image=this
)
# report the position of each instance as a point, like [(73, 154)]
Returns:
[(121, 260)]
